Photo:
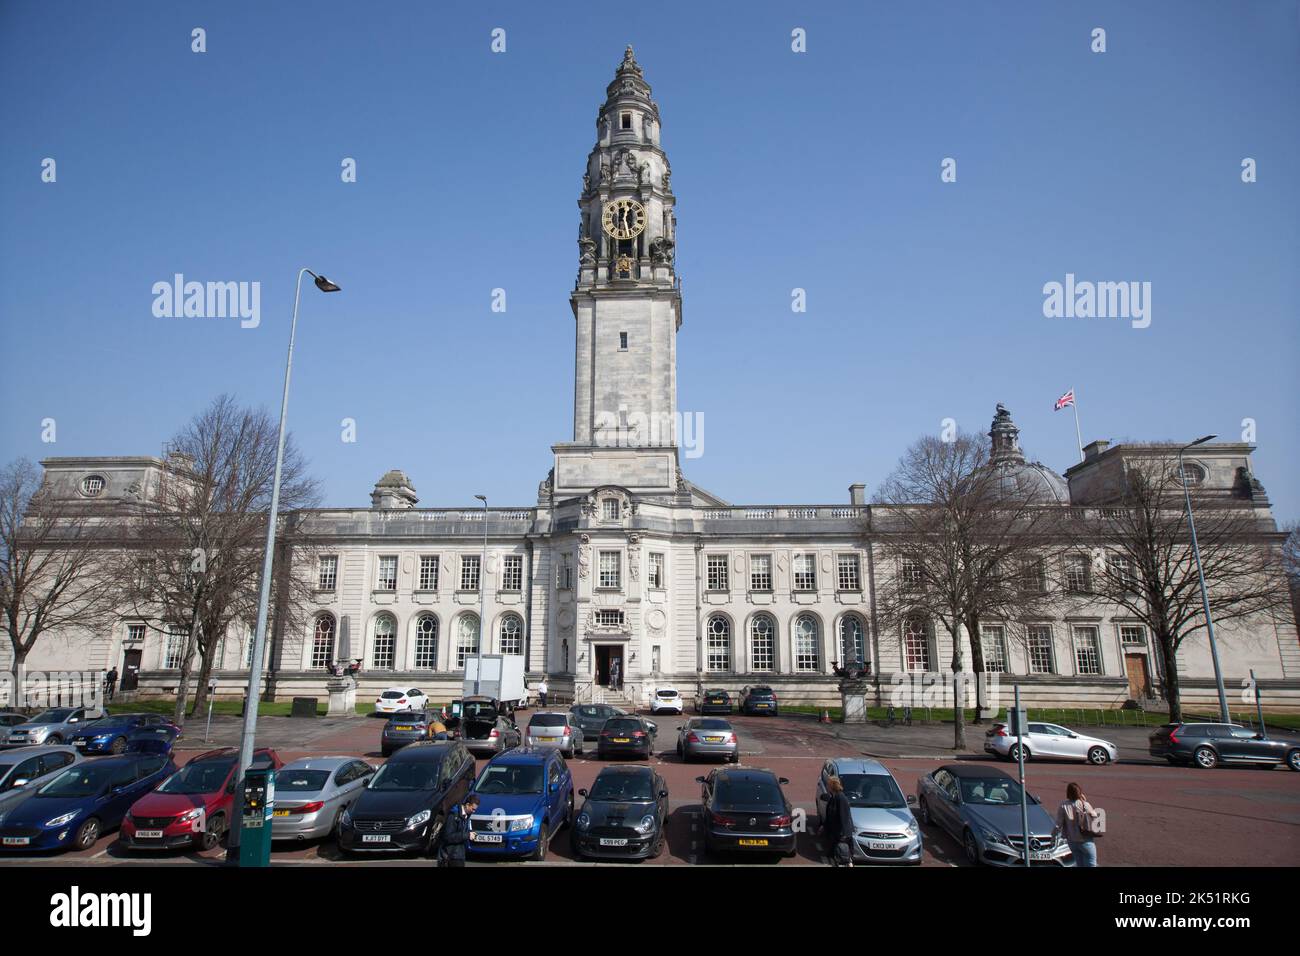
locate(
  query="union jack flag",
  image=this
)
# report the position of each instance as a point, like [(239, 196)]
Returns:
[(1065, 401)]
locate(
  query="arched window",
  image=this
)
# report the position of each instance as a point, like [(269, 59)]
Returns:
[(426, 642), (717, 652), (916, 644), (806, 644), (853, 645), (385, 646), (512, 634), (762, 643), (322, 645), (466, 639)]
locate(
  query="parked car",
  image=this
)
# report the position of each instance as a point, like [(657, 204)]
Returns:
[(109, 735), (979, 806), (627, 735), (406, 802), (1208, 745), (80, 803), (715, 701), (708, 737), (23, 768), (557, 729), (312, 793), (10, 718), (396, 699), (153, 739), (525, 797), (884, 829), (53, 726), (409, 727), (1051, 741), (623, 816), (758, 700), (591, 717), (192, 808), (747, 810), (666, 700), (484, 729)]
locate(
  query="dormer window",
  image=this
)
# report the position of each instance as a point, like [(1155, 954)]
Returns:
[(92, 486), (609, 510), (625, 121)]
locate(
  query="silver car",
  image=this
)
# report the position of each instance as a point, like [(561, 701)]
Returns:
[(708, 737), (556, 729), (53, 726), (24, 767), (884, 829), (1051, 741), (311, 793)]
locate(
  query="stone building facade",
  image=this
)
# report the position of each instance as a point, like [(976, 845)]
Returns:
[(623, 561)]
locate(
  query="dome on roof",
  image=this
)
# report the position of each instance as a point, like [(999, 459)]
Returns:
[(1016, 476), (394, 479)]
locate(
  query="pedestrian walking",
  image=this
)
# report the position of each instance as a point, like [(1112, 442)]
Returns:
[(837, 826), (110, 683), (614, 675), (455, 833), (1080, 823), (542, 690)]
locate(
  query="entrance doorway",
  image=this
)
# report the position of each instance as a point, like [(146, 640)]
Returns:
[(131, 669), (608, 657), (1139, 679)]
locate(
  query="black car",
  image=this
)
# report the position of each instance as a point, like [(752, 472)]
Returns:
[(715, 701), (758, 700), (404, 805), (626, 735), (747, 810), (1208, 745), (623, 815), (591, 717), (406, 728)]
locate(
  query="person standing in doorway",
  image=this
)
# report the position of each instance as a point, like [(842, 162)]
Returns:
[(542, 690), (110, 683), (614, 675), (1070, 816)]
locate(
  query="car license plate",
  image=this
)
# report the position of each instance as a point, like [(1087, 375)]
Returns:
[(402, 727), (548, 739), (279, 813), (17, 841), (752, 842), (148, 834), (488, 837), (762, 705), (879, 845), (611, 841), (713, 740), (622, 740), (1040, 855), (375, 838)]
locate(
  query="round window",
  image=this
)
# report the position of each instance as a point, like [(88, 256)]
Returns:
[(92, 485), (1193, 473)]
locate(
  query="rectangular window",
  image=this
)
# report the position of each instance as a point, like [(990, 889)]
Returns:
[(762, 644), (625, 121), (610, 567), (992, 640), (387, 580), (609, 509), (469, 572), (850, 576), (564, 573), (760, 572), (717, 572), (1121, 571), (1133, 635), (806, 657), (916, 645), (174, 652), (609, 617), (329, 572), (512, 575), (385, 645), (1087, 650), (717, 655), (134, 634), (805, 572), (428, 572), (910, 572), (1033, 576), (1040, 649), (656, 570), (426, 642), (1076, 574), (622, 341)]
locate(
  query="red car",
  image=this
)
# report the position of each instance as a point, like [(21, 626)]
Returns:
[(192, 807)]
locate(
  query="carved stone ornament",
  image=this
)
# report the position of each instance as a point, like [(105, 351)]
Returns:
[(682, 486), (586, 249), (634, 557), (584, 556), (546, 488), (661, 249)]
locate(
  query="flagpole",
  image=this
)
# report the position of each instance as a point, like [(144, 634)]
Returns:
[(1078, 434)]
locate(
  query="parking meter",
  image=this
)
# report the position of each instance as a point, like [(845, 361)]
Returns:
[(255, 826)]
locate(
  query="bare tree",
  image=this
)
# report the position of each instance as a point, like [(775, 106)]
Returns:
[(53, 572), (198, 542), (1139, 556)]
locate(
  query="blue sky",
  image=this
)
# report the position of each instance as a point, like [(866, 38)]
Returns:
[(816, 170)]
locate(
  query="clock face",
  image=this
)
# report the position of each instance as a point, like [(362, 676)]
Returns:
[(623, 218)]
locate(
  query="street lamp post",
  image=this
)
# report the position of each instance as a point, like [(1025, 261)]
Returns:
[(1200, 572), (482, 600), (263, 602)]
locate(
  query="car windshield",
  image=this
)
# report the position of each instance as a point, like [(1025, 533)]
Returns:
[(480, 710), (4, 769), (589, 711), (408, 718), (156, 731), (716, 693), (760, 792), (622, 725), (710, 723), (205, 776), (84, 780), (547, 720), (666, 693), (872, 790), (55, 715), (760, 692), (110, 723), (301, 781), (508, 779), (406, 775), (392, 694), (990, 791), (622, 786)]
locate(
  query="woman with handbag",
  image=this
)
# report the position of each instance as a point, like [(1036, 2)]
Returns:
[(1080, 823)]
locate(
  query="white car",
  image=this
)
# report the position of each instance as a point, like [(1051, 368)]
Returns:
[(1050, 741), (666, 699), (398, 699)]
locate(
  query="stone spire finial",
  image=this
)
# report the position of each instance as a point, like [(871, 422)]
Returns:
[(629, 62), (1005, 436)]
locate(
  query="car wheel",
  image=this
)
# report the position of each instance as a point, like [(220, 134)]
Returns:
[(734, 758), (1206, 758), (53, 739), (211, 837), (385, 752), (925, 812), (972, 848), (87, 834), (542, 837), (574, 848), (1014, 753), (1098, 756), (118, 746), (1293, 760), (658, 849)]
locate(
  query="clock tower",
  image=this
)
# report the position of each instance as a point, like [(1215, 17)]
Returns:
[(627, 305)]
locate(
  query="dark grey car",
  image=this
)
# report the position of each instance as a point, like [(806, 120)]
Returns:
[(1208, 745), (591, 717)]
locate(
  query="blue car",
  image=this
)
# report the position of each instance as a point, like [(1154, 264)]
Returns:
[(81, 803), (154, 739), (109, 735), (525, 796)]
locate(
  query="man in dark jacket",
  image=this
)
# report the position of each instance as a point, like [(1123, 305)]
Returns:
[(455, 833), (838, 825)]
